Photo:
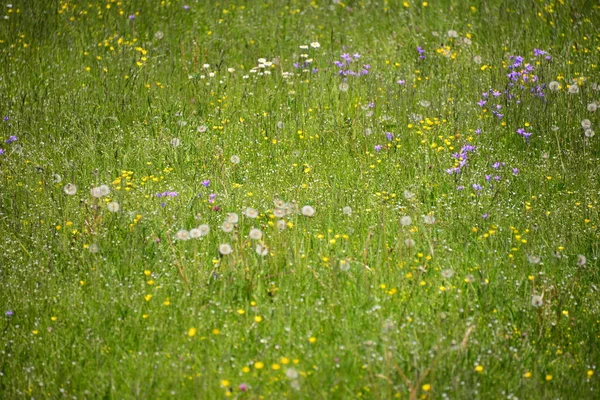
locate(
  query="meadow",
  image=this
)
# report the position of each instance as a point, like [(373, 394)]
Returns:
[(299, 199)]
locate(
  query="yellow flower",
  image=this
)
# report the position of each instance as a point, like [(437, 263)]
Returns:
[(225, 383), (275, 367), (241, 312), (148, 297), (312, 340), (479, 368), (259, 365), (216, 331), (285, 360), (527, 375), (192, 332), (258, 318), (426, 387), (548, 377)]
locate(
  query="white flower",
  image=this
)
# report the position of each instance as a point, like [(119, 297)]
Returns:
[(452, 34), (93, 248), (281, 225), (589, 133), (113, 206), (255, 234), (232, 218), (533, 259), (182, 235), (586, 124), (227, 227), (159, 35), (195, 233), (225, 249), (308, 211), (291, 373), (409, 243), (262, 250), (344, 86), (70, 189), (581, 260), (202, 128), (230, 70), (303, 46), (344, 265), (447, 273), (100, 191), (251, 213), (553, 86), (206, 66), (574, 89), (477, 59), (204, 229), (592, 107), (315, 45), (429, 219), (406, 220), (347, 210), (537, 300), (235, 159)]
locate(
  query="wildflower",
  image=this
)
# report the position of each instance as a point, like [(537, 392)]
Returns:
[(537, 300), (344, 265), (553, 86), (409, 243), (204, 229), (251, 213), (586, 124), (159, 35), (447, 273), (195, 233), (232, 218), (581, 260), (227, 227), (182, 235), (9, 313), (406, 220), (281, 225), (344, 86), (347, 210), (192, 332), (235, 159), (308, 211), (100, 191), (589, 133), (426, 387), (175, 142), (315, 45), (573, 89), (477, 59), (70, 189), (452, 34), (225, 249), (592, 107), (56, 178), (408, 195), (479, 368), (424, 103), (261, 250), (429, 219), (94, 248), (255, 234), (533, 259), (243, 387), (113, 206), (202, 128), (291, 373)]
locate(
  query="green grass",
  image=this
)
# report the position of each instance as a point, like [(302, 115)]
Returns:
[(100, 304)]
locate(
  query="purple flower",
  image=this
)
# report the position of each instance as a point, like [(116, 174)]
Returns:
[(315, 70), (9, 313), (497, 178), (211, 197), (378, 148), (11, 139), (477, 187), (421, 52), (186, 7), (356, 56), (460, 187), (205, 182), (167, 194), (488, 177), (497, 165), (389, 136), (6, 118), (515, 171), (538, 52), (484, 216), (132, 16), (243, 387), (400, 81), (1, 151), (481, 103), (478, 131)]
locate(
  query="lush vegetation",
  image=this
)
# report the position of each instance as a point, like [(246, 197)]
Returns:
[(299, 199)]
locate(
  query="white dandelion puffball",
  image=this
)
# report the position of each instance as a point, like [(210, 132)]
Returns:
[(281, 225), (344, 265), (429, 219), (308, 211), (533, 259), (251, 213), (581, 260), (589, 133), (225, 249), (447, 273), (93, 248), (202, 128), (56, 178), (344, 87), (182, 235), (255, 234), (113, 207), (554, 85), (175, 142), (262, 250), (537, 300), (347, 210), (409, 243), (592, 107), (227, 227), (477, 59), (232, 218), (70, 189), (408, 195), (279, 213), (574, 89), (159, 35), (291, 373), (406, 220), (586, 124), (204, 229), (235, 159), (452, 34), (195, 233), (100, 191)]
